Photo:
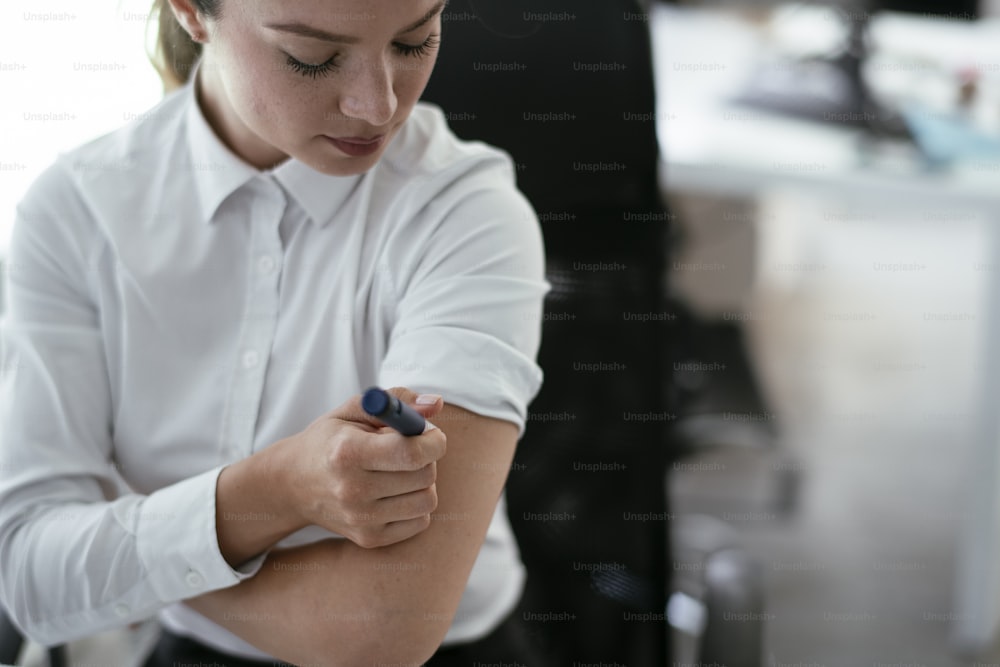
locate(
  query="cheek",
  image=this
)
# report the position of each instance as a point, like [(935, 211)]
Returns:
[(410, 83), (273, 105), (249, 75)]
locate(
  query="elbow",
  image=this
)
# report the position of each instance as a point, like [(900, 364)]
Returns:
[(387, 643), (412, 639), (411, 651), (410, 656), (395, 654)]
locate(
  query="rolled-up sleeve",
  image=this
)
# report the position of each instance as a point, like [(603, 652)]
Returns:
[(77, 556), (469, 317)]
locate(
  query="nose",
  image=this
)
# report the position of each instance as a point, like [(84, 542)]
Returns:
[(368, 94)]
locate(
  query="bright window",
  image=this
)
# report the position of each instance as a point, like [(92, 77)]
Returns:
[(70, 71)]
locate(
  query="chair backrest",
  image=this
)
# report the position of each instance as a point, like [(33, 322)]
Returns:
[(10, 640), (567, 89)]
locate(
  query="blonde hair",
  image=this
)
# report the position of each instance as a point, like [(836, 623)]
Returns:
[(175, 53)]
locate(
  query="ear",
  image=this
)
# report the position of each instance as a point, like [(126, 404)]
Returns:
[(190, 19)]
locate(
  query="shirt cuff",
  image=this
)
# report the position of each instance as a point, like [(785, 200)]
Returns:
[(178, 544)]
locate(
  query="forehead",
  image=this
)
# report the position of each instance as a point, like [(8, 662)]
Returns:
[(357, 17)]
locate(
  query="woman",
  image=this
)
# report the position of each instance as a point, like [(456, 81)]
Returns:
[(191, 295)]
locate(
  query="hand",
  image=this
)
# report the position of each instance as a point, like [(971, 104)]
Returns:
[(348, 473)]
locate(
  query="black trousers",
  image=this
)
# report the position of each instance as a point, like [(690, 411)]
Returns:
[(508, 644)]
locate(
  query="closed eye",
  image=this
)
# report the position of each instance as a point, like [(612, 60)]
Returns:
[(313, 71), (419, 50)]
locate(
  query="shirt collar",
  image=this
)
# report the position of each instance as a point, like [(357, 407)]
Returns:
[(319, 195), (218, 172)]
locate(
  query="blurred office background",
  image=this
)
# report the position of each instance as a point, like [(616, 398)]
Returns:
[(854, 242), (855, 252)]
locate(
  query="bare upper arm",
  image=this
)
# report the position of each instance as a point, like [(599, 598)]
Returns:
[(471, 477), (333, 602)]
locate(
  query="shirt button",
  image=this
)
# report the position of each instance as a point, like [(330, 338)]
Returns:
[(122, 609), (265, 264), (193, 579), (250, 359)]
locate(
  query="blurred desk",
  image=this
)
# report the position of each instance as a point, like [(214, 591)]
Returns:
[(712, 147)]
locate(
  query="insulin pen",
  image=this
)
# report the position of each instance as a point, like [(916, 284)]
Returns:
[(400, 416)]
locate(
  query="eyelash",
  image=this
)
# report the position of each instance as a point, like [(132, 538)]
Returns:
[(420, 50), (313, 71)]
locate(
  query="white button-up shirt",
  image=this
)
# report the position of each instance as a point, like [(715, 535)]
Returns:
[(171, 310)]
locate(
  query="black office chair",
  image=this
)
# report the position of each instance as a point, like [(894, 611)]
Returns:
[(11, 644), (567, 89)]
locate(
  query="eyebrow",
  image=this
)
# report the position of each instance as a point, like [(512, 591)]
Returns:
[(308, 31)]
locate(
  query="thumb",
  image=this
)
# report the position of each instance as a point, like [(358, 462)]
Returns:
[(351, 410), (426, 404)]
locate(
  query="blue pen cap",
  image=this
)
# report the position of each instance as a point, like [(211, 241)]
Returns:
[(394, 412), (375, 401)]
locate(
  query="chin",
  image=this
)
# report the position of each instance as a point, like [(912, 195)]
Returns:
[(345, 166)]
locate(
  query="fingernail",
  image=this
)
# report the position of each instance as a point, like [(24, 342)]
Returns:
[(427, 399), (428, 426)]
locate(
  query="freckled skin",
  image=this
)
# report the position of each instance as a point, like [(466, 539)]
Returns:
[(265, 111)]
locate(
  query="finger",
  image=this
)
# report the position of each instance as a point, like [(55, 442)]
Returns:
[(389, 451), (427, 404), (351, 411), (396, 531), (408, 506), (383, 484)]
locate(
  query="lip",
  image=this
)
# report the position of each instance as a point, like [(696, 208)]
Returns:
[(356, 146)]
